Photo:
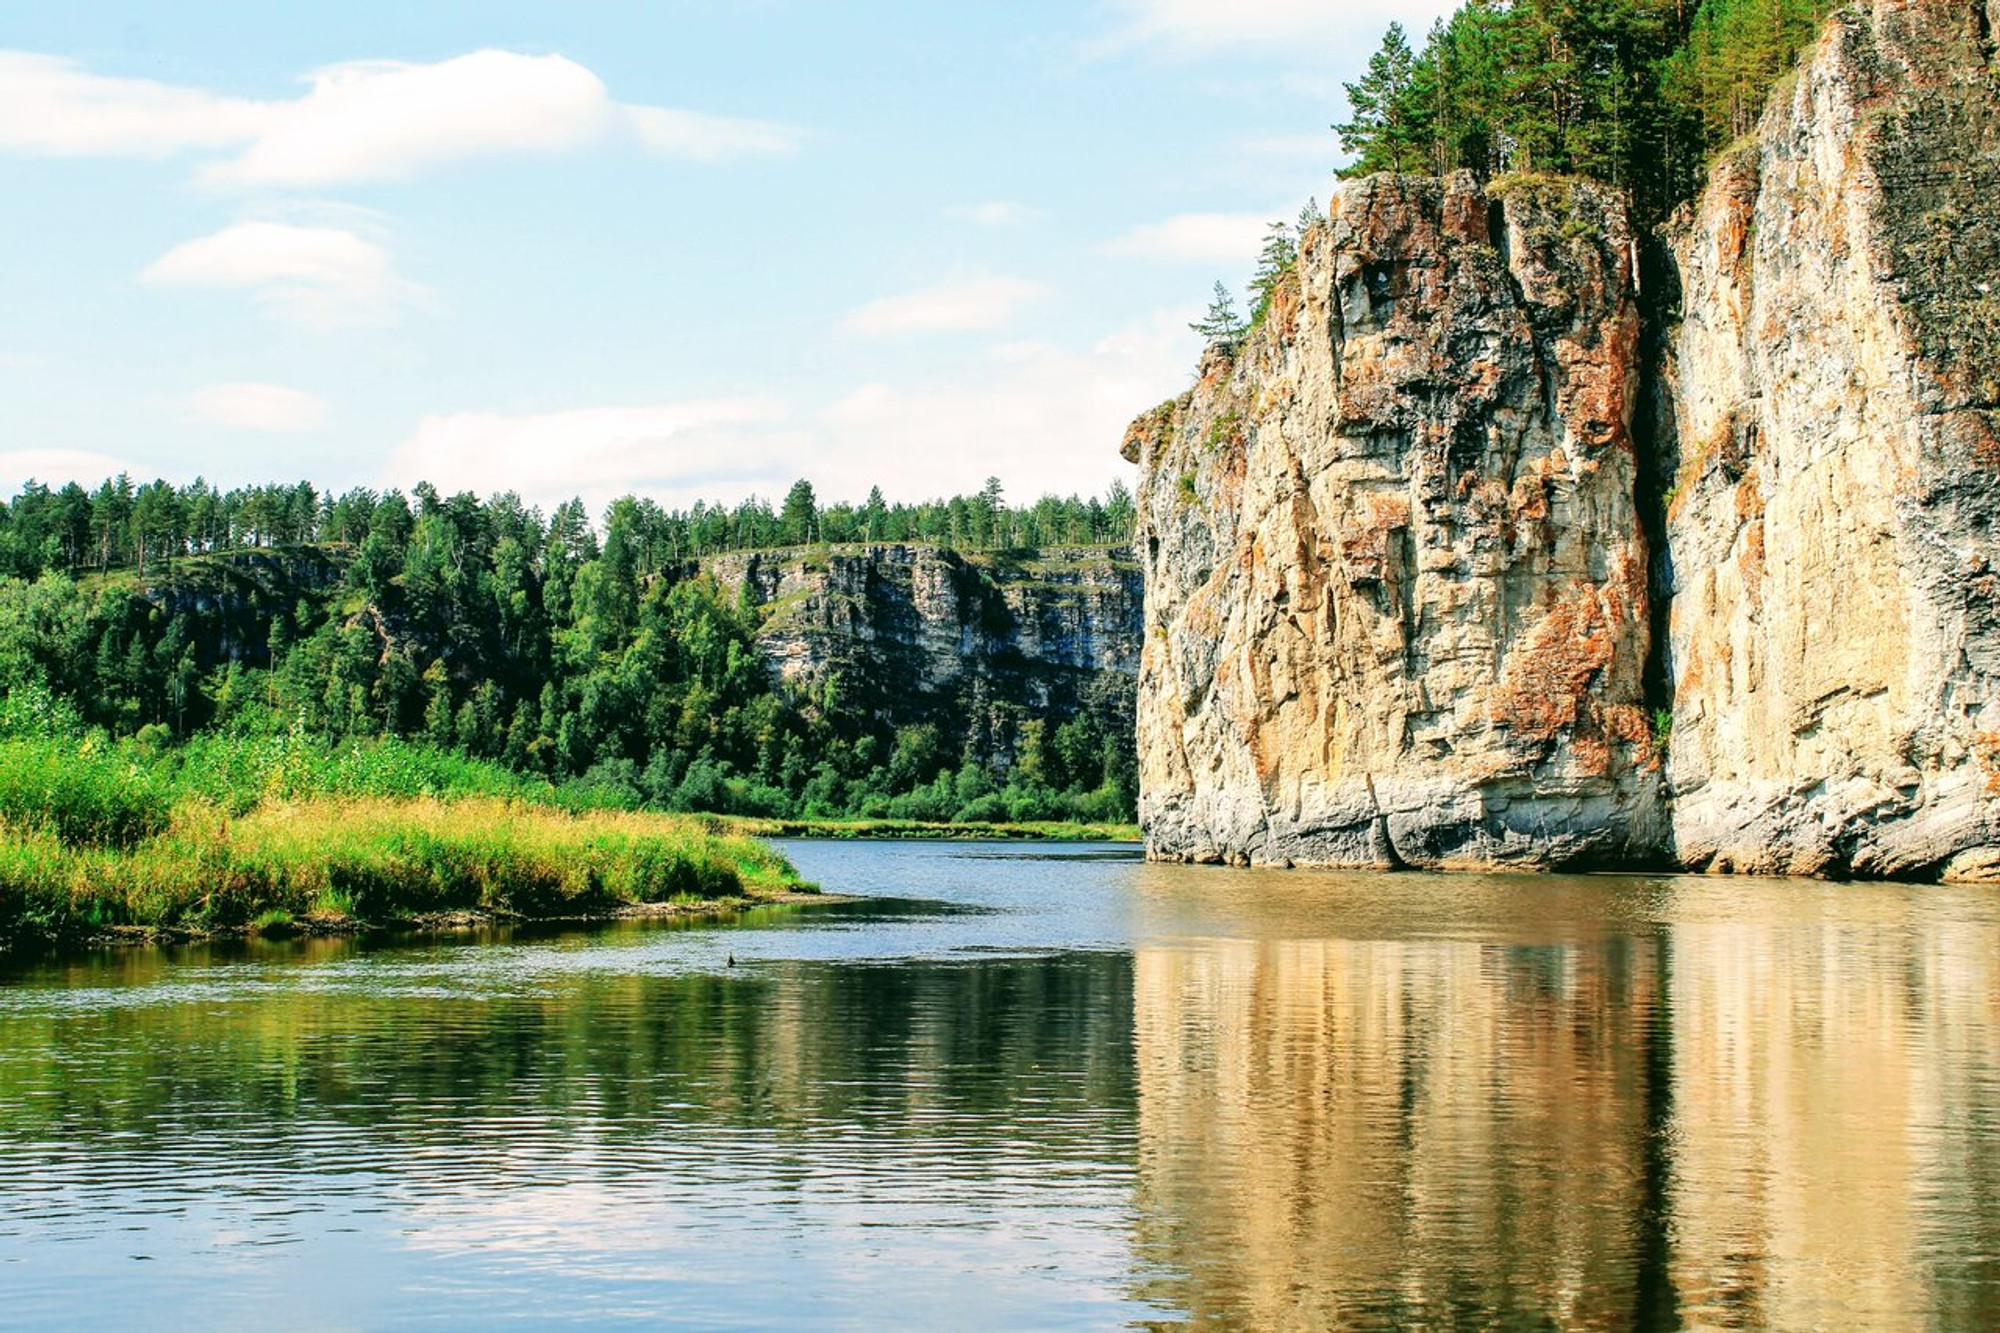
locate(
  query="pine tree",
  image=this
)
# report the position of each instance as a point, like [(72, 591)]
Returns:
[(1221, 324), (800, 517), (1280, 253), (1381, 132)]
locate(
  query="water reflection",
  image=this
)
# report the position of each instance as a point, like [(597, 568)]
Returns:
[(1023, 1090), (788, 1143), (1599, 1103)]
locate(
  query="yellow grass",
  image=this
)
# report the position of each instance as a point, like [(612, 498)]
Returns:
[(373, 859)]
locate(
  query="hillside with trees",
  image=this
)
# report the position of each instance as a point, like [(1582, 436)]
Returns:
[(596, 656)]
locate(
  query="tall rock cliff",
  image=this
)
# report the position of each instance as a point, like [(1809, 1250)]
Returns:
[(1835, 642), (1396, 580), (1398, 577), (917, 634)]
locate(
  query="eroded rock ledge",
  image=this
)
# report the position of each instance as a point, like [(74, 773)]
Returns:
[(1397, 576)]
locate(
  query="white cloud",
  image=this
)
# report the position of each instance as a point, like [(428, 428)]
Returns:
[(1211, 238), (265, 407), (995, 213), (1284, 28), (1039, 417), (673, 452), (357, 122), (57, 467), (955, 306), (384, 120), (697, 137), (51, 107), (319, 276)]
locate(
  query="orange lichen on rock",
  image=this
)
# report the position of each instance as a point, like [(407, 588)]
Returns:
[(1548, 677)]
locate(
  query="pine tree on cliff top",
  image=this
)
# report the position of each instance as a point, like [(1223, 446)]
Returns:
[(1221, 324), (1381, 130)]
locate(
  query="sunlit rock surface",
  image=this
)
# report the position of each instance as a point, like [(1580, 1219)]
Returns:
[(1396, 585), (1400, 596), (1835, 643)]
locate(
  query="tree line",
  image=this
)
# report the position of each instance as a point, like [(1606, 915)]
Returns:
[(1639, 94), (596, 655), (122, 523)]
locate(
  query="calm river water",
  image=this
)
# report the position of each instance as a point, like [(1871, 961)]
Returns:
[(1024, 1088)]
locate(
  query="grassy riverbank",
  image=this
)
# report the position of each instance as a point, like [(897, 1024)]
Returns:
[(284, 833), (1041, 831)]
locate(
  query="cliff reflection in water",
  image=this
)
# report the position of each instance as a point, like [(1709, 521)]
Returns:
[(1604, 1102)]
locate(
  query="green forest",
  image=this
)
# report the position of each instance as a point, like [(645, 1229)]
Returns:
[(1640, 94), (594, 656)]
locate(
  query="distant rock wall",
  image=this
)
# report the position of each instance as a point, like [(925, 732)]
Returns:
[(1398, 578), (918, 634)]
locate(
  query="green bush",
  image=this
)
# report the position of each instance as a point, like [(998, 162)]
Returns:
[(79, 794)]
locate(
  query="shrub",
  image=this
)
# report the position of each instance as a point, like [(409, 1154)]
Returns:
[(79, 794)]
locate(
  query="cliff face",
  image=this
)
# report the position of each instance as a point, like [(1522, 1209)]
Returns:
[(1397, 572), (919, 634), (1835, 643), (1395, 575)]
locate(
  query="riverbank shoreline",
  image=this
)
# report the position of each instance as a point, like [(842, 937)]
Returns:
[(329, 925), (907, 830)]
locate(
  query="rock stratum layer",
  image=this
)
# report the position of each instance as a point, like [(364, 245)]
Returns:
[(1400, 596)]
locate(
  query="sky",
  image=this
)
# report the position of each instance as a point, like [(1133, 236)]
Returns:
[(682, 248)]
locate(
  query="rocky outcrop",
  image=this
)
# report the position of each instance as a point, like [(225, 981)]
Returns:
[(228, 602), (1396, 582), (1398, 578), (1835, 643), (917, 634)]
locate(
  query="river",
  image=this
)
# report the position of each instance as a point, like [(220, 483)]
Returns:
[(1032, 1087)]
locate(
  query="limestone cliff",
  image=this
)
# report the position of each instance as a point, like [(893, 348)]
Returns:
[(1398, 578), (919, 634), (1395, 576), (1835, 643)]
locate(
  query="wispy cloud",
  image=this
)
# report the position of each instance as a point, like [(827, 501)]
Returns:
[(52, 107), (1281, 28), (321, 277), (58, 467), (698, 137), (1038, 415), (357, 122), (1320, 149), (1212, 238), (959, 305), (995, 213), (674, 452), (261, 407)]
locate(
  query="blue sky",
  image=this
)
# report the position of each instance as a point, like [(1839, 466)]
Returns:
[(687, 249)]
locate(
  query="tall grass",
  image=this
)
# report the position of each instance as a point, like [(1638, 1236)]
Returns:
[(239, 773), (227, 830), (80, 794)]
